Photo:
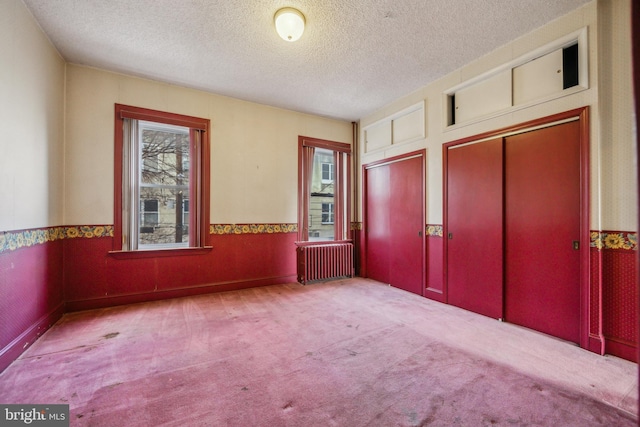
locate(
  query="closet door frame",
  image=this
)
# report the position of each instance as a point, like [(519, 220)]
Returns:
[(591, 340), (365, 199)]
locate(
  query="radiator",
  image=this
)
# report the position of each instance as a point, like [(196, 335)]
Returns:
[(324, 261)]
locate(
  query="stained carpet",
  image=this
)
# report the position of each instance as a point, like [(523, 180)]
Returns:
[(344, 353)]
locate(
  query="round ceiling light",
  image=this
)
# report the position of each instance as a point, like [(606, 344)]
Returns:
[(289, 23)]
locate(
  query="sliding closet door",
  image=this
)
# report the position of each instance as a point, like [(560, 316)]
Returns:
[(394, 222), (407, 212), (378, 223), (475, 227), (542, 228)]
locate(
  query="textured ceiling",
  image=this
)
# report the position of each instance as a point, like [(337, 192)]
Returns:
[(355, 55)]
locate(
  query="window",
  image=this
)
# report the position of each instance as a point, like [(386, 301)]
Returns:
[(324, 202), (327, 213), (327, 172), (149, 214), (185, 213), (162, 180)]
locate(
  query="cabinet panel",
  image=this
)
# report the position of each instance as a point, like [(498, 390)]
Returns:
[(377, 136), (538, 78), (409, 127), (483, 98)]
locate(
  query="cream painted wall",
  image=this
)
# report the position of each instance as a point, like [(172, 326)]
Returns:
[(32, 111), (613, 184), (254, 164), (617, 133)]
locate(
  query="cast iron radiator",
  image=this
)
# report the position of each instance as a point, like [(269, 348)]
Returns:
[(324, 261)]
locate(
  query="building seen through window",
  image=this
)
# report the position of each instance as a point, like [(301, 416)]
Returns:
[(164, 184), (321, 202)]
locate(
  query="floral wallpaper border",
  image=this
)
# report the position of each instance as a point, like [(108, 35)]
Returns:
[(222, 229), (623, 240), (14, 240), (434, 230)]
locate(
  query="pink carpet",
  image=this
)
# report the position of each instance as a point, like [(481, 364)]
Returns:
[(343, 353)]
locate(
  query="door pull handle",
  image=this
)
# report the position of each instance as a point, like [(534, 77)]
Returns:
[(450, 235), (576, 245)]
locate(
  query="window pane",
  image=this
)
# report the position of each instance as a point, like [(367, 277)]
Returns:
[(163, 185), (164, 155), (162, 219), (322, 196), (327, 213)]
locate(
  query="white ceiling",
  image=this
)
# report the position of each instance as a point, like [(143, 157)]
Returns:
[(355, 56)]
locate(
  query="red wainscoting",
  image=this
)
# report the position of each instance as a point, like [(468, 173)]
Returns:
[(45, 272), (596, 340), (613, 257), (31, 298), (94, 278), (356, 237)]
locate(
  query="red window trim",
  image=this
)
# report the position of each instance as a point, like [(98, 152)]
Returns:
[(200, 190)]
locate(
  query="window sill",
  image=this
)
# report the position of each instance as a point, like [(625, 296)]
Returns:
[(158, 253)]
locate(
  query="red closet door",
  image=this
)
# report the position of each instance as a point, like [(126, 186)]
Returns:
[(377, 223), (407, 218), (542, 222), (394, 223), (475, 227)]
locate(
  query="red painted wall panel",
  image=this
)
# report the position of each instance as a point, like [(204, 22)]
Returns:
[(595, 330), (85, 270), (619, 298), (435, 268), (356, 236), (94, 278), (31, 297)]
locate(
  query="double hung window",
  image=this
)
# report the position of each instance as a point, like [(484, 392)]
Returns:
[(324, 179), (162, 177)]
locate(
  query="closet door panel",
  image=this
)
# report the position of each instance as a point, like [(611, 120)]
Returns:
[(377, 223), (407, 218), (475, 227), (542, 222)]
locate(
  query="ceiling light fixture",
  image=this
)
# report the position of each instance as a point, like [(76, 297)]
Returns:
[(289, 23)]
